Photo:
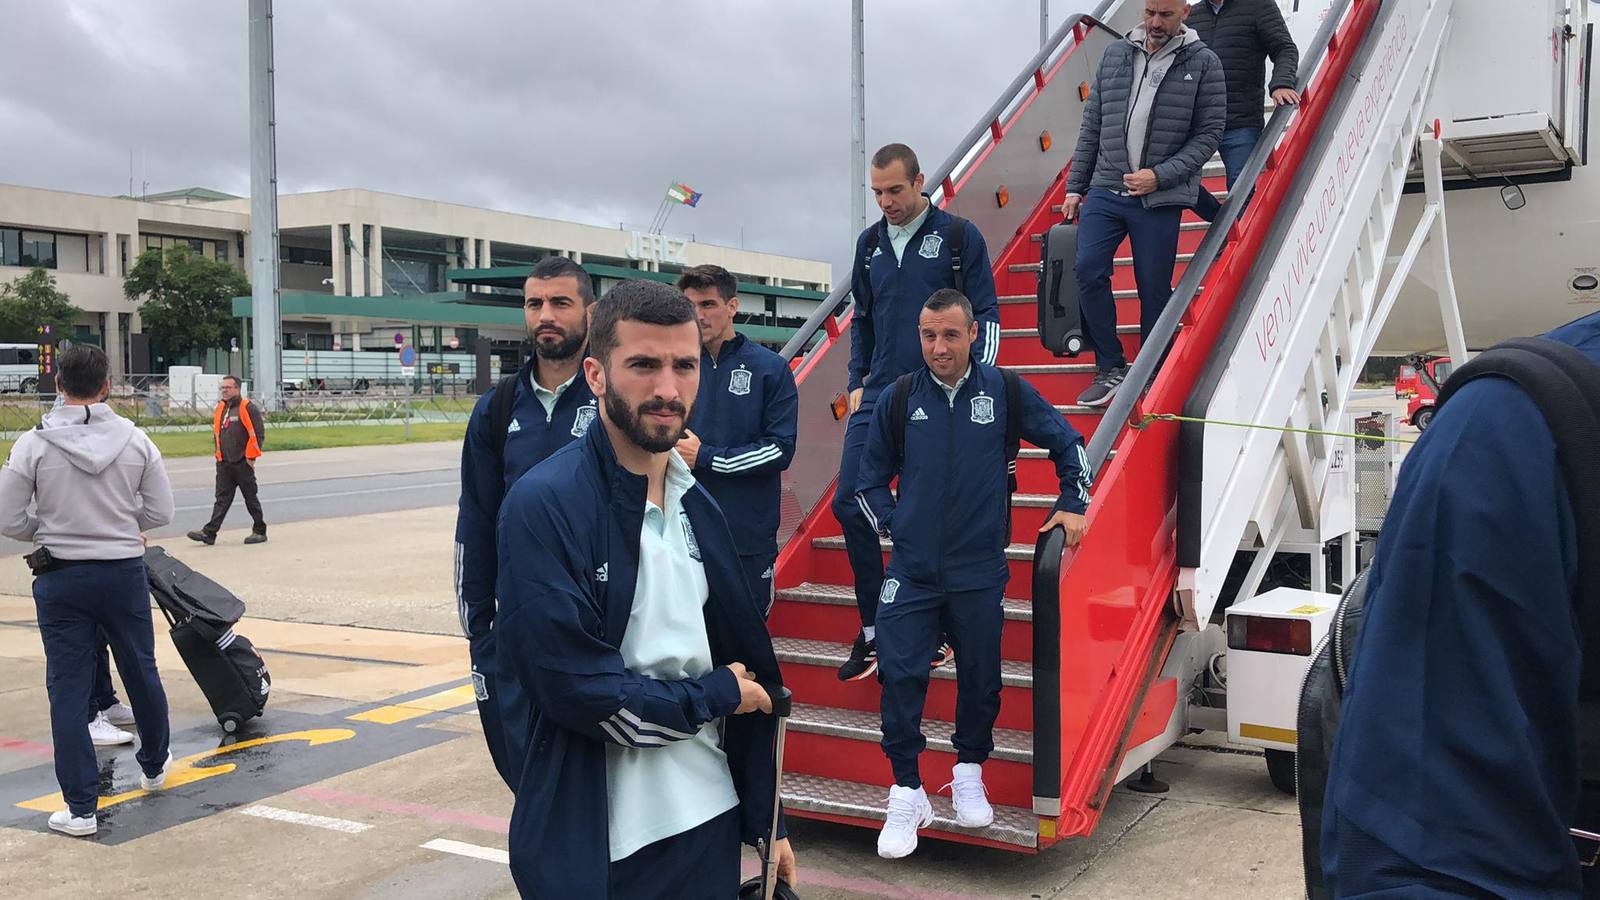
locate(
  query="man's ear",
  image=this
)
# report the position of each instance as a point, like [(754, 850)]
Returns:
[(595, 374)]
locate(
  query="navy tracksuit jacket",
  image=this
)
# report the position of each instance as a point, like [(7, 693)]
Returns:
[(745, 416), (531, 437), (950, 523), (1455, 771), (951, 526), (569, 557)]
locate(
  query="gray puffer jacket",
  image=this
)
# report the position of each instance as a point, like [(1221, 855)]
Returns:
[(1186, 121)]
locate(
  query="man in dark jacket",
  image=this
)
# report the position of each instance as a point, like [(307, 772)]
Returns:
[(626, 618), (239, 434), (1456, 767), (1244, 34), (552, 406), (950, 527), (1154, 117), (899, 261), (743, 431)]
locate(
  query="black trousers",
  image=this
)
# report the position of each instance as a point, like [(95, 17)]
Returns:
[(699, 864), (239, 475)]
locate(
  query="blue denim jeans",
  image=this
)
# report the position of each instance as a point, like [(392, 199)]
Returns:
[(1237, 145)]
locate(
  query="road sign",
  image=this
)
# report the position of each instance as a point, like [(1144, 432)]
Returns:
[(399, 338), (408, 356)]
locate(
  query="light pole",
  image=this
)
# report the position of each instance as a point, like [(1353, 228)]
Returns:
[(858, 115), (264, 211)]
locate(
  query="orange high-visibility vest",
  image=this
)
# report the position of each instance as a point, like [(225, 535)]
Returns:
[(252, 450)]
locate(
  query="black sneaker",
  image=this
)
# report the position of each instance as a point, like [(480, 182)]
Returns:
[(943, 654), (863, 660), (1103, 388), (203, 537), (256, 537)]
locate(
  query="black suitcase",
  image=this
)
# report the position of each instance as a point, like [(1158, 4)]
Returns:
[(1060, 321), (202, 614)]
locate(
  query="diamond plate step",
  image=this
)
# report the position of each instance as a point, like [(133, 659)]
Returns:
[(1033, 333), (1014, 551), (1129, 294), (1186, 226), (1036, 453), (1013, 673), (1056, 369), (826, 796), (1076, 409), (843, 595), (1009, 743)]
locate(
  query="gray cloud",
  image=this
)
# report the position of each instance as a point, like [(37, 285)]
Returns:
[(582, 111)]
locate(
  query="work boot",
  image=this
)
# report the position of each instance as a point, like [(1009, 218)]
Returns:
[(105, 734), (969, 796), (908, 810), (64, 821), (204, 537), (863, 659), (256, 537), (160, 780), (118, 714)]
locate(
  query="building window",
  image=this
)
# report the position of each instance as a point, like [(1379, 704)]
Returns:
[(28, 248), (206, 247), (319, 342)]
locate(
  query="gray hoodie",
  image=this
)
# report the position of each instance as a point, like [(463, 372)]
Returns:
[(96, 482)]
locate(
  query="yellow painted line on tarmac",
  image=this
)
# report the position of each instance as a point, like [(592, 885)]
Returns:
[(184, 771), (454, 698)]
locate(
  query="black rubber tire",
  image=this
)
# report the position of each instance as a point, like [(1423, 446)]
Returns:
[(1280, 768), (230, 723), (1423, 418), (362, 384), (28, 386)]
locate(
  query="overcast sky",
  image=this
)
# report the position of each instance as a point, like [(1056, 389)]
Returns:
[(574, 110)]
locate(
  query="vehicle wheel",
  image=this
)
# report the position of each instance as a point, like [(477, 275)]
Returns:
[(1280, 768), (362, 385), (230, 723), (1423, 418), (29, 385)]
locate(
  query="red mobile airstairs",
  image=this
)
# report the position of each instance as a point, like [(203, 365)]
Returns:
[(1278, 303)]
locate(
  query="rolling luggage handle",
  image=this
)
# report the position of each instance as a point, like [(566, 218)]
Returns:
[(767, 886)]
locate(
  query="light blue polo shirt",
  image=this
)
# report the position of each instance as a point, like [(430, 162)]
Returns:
[(656, 792), (899, 237)]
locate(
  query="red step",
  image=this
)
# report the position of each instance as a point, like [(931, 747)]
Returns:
[(827, 612), (831, 565)]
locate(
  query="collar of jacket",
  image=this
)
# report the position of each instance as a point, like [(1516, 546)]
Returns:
[(936, 216), (1186, 40), (625, 494), (726, 351)]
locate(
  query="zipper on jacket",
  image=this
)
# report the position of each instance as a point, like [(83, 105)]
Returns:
[(1144, 158)]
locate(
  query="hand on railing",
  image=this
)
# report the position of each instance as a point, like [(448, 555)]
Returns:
[(1073, 525)]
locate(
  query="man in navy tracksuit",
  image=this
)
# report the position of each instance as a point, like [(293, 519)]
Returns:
[(950, 527), (899, 263), (552, 406), (1457, 765), (626, 618), (745, 417)]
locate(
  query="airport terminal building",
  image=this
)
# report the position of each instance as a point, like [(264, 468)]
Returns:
[(359, 267)]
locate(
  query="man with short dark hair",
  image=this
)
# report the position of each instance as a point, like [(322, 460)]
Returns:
[(239, 433), (743, 431), (549, 406), (1244, 34), (97, 484), (914, 250), (626, 618), (1154, 117), (950, 527)]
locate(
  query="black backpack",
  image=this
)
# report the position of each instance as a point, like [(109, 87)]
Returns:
[(902, 397), (505, 397), (957, 238), (1565, 385)]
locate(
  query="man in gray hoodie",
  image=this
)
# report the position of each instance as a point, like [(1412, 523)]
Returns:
[(97, 484), (1154, 116)]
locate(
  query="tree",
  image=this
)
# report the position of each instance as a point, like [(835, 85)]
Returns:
[(33, 300), (187, 299)]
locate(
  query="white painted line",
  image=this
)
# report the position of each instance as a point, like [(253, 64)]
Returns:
[(385, 490), (487, 854), (300, 818)]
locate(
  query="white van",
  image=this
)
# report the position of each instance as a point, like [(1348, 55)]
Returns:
[(19, 368)]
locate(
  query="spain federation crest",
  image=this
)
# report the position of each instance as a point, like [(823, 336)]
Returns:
[(739, 381), (982, 409), (580, 422), (688, 537), (930, 247)]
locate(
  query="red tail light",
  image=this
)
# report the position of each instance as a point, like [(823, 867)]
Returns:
[(1269, 635)]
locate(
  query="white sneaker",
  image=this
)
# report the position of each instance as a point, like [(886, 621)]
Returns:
[(969, 796), (909, 810), (105, 734), (158, 782), (64, 821), (118, 714)]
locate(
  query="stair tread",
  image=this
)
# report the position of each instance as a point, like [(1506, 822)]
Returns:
[(1034, 332), (1053, 369), (1075, 409), (844, 595), (1125, 294), (1013, 672), (1009, 743), (836, 542), (811, 793)]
